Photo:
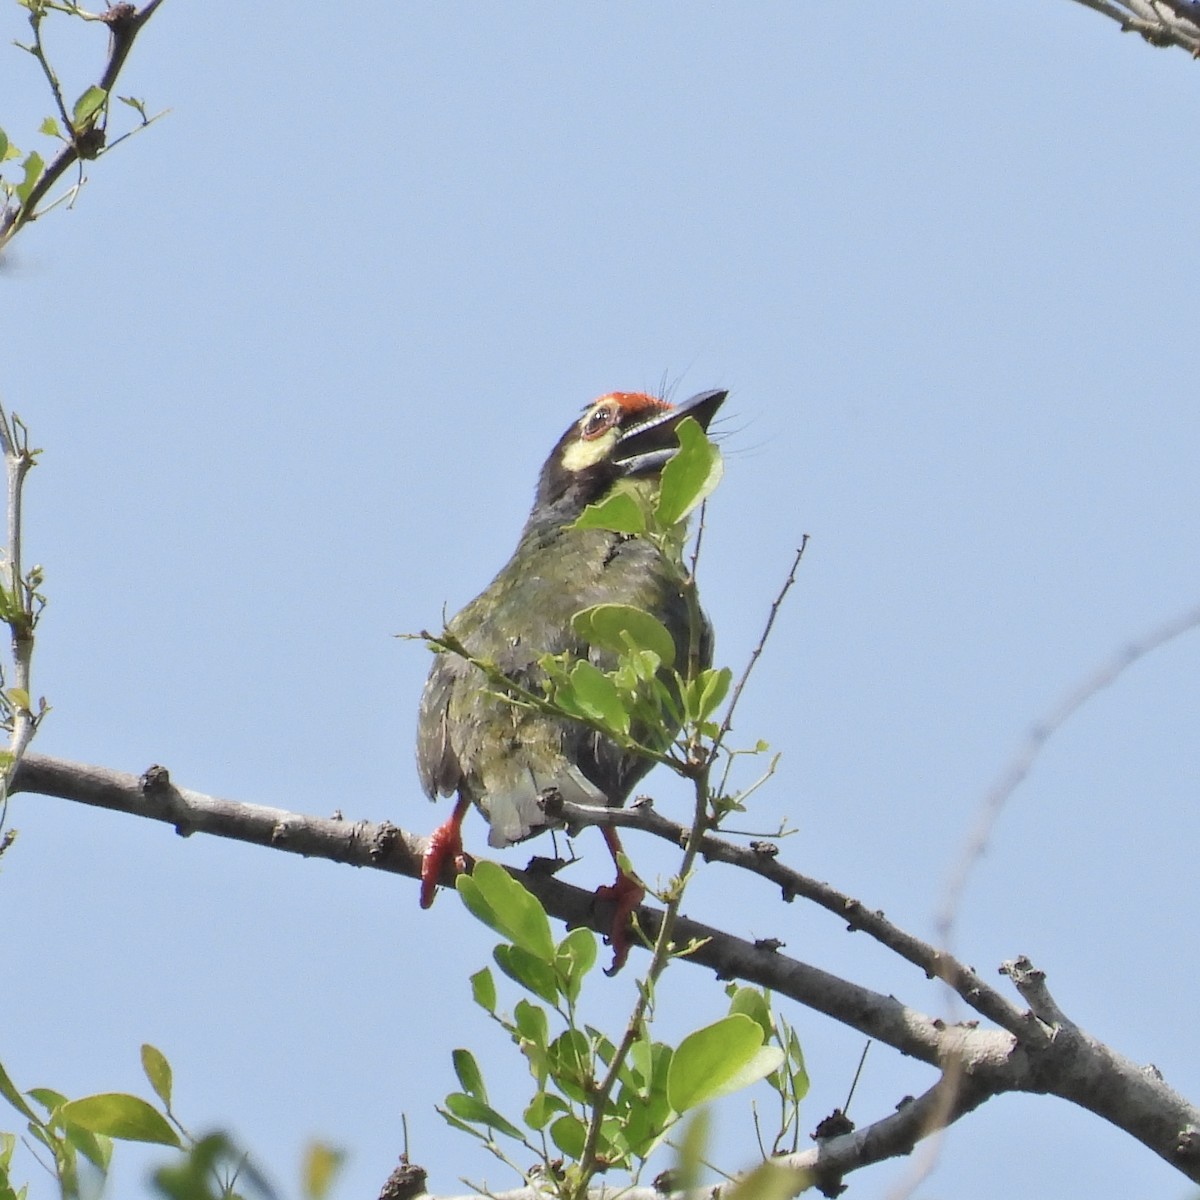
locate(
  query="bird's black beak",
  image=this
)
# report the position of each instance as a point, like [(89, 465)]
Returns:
[(649, 445)]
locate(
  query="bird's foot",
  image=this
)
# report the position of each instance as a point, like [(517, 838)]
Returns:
[(445, 846), (627, 894)]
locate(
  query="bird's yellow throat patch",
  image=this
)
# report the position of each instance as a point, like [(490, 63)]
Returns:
[(584, 453)]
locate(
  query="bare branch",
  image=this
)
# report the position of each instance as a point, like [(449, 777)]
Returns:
[(1049, 1055), (386, 848), (1023, 761), (1159, 22), (761, 858)]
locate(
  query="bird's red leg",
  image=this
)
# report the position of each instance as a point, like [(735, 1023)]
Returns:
[(626, 893), (445, 845)]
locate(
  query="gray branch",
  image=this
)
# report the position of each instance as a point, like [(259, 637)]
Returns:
[(1039, 1050), (761, 858), (1160, 22)]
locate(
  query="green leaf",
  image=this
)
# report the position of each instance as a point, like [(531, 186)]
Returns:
[(95, 1147), (799, 1073), (692, 1149), (50, 127), (771, 1181), (158, 1072), (571, 1066), (713, 688), (3, 145), (321, 1164), (651, 1061), (575, 957), (461, 1126), (529, 971), (534, 1030), (691, 474), (469, 1074), (33, 165), (121, 1116), (620, 513), (532, 1022), (718, 1059), (88, 105), (483, 990), (646, 1123), (569, 1134), (48, 1098), (10, 1093), (191, 1176), (468, 1108), (542, 1107), (500, 902), (622, 628), (597, 697), (754, 1004)]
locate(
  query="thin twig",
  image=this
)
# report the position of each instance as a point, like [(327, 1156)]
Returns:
[(994, 803), (124, 23), (857, 1074), (1027, 754), (761, 858), (756, 653)]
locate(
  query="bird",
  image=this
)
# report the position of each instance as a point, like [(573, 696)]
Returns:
[(501, 758)]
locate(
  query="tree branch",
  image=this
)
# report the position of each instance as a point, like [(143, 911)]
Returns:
[(1044, 1052), (824, 1165), (124, 22), (1160, 22), (760, 858)]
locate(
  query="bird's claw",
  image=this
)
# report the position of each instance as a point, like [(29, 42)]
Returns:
[(627, 894), (445, 847)]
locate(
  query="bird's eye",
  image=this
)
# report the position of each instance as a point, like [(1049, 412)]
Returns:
[(598, 421)]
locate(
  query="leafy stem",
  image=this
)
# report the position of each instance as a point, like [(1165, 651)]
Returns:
[(660, 956), (84, 127), (20, 600)]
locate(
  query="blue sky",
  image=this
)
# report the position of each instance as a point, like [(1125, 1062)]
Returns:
[(295, 359)]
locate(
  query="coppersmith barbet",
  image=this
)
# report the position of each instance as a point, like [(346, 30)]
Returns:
[(501, 758)]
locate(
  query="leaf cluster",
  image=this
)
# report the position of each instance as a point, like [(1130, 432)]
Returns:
[(656, 1083), (78, 1136)]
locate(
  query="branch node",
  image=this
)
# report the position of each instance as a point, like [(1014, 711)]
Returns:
[(405, 1183), (381, 844), (154, 780), (770, 945), (1187, 1145), (834, 1125), (119, 16), (550, 800), (541, 864), (89, 142)]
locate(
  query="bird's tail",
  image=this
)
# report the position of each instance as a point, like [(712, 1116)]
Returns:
[(514, 811)]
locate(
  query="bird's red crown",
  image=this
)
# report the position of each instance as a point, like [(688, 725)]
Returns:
[(632, 402)]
